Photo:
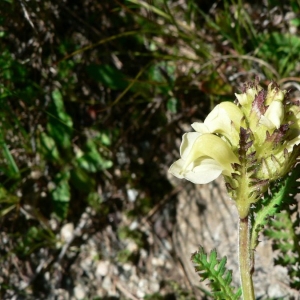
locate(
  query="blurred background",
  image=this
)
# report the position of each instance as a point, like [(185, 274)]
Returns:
[(95, 96)]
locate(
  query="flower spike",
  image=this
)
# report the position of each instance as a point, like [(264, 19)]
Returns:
[(251, 143)]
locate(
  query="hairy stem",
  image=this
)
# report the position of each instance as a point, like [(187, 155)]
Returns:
[(246, 259)]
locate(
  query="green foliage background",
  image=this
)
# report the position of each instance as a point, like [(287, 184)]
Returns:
[(93, 98)]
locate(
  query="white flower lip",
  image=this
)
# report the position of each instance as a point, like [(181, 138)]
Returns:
[(204, 157)]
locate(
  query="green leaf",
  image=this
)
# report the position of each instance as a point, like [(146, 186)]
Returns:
[(295, 22), (60, 123), (48, 147), (281, 49), (12, 169), (108, 75), (91, 160), (286, 238), (282, 192), (105, 139), (61, 194), (278, 212), (62, 189), (8, 201), (35, 238), (94, 200), (162, 76), (209, 267)]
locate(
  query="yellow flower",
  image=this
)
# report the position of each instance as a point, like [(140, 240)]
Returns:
[(204, 157), (251, 143)]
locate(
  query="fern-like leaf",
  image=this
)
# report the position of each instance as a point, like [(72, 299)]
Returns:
[(284, 231), (280, 196), (209, 267), (279, 211)]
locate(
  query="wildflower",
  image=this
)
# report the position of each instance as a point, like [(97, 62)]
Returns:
[(204, 157), (251, 142)]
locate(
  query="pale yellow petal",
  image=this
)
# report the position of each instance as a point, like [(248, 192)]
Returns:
[(176, 168), (247, 97), (275, 113), (225, 119), (188, 140), (234, 113), (200, 127), (292, 143), (266, 122), (206, 171), (218, 120), (242, 98), (274, 94), (211, 146)]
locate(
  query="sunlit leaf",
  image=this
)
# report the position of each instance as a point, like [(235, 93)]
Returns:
[(282, 49), (60, 123), (91, 160)]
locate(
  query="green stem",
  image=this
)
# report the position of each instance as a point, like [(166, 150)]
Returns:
[(246, 259)]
